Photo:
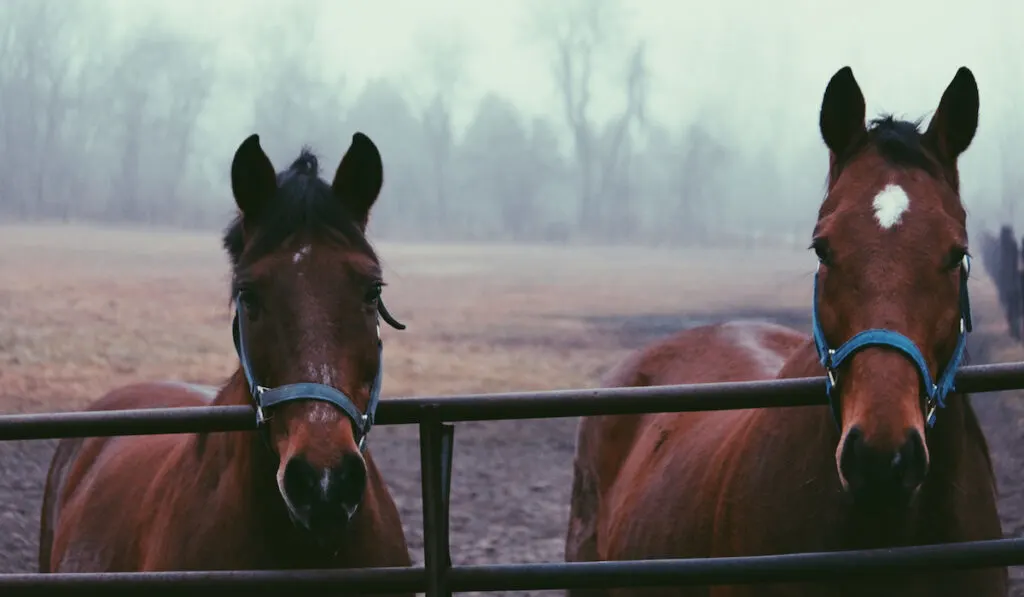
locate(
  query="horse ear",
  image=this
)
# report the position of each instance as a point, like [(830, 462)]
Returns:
[(253, 180), (359, 178), (842, 112), (956, 119)]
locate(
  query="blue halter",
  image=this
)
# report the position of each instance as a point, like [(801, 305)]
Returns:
[(935, 392), (265, 398)]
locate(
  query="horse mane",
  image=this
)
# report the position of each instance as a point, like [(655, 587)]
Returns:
[(305, 206)]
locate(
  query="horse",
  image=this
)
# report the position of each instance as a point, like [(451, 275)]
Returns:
[(302, 491), (1009, 281), (895, 459)]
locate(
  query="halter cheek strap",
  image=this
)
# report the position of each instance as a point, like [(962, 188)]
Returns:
[(935, 392), (265, 398)]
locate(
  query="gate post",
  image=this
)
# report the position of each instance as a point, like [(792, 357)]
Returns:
[(436, 449)]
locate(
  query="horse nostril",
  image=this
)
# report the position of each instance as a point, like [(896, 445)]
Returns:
[(301, 483), (853, 447), (910, 464), (883, 474), (349, 481), (324, 498)]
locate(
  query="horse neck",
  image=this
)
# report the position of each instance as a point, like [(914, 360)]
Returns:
[(957, 448), (243, 454), (242, 460), (235, 392), (960, 480)]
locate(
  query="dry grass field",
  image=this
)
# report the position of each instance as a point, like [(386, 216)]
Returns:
[(85, 309)]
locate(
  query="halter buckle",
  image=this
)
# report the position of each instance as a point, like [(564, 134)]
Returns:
[(932, 406), (260, 416), (831, 377)]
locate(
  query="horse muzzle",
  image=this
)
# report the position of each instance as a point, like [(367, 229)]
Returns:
[(323, 500)]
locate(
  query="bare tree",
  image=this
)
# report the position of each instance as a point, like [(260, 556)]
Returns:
[(443, 58), (584, 36), (618, 214), (36, 39), (1010, 148)]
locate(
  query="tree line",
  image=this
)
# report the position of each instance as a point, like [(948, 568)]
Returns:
[(133, 132)]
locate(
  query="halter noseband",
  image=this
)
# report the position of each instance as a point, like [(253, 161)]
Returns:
[(935, 392), (265, 398)]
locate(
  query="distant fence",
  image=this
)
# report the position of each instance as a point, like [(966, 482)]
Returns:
[(438, 576)]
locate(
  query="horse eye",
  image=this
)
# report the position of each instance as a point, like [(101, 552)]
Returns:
[(956, 258), (373, 294), (250, 302), (822, 250)]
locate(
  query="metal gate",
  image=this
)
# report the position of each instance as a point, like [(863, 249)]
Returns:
[(438, 577)]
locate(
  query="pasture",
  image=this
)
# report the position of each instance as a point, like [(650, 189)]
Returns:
[(84, 309)]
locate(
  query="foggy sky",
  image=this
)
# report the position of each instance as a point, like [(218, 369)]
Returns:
[(752, 69), (749, 73)]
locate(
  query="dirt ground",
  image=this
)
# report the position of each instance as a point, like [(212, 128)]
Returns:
[(85, 309)]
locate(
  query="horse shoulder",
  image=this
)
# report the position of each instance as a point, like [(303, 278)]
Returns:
[(92, 510), (601, 444), (730, 351), (733, 351), (666, 451)]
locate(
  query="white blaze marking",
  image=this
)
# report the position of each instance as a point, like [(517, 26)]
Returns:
[(325, 482), (322, 374), (301, 254), (890, 205), (327, 375), (321, 412)]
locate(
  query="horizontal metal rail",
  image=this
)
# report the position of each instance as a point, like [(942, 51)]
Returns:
[(531, 577), (794, 567), (805, 391), (275, 583), (439, 578)]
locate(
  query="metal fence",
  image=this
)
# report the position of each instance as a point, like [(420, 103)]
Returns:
[(438, 576)]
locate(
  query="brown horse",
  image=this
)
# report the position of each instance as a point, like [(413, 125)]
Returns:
[(304, 491), (877, 469)]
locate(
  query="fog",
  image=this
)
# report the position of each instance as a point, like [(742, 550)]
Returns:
[(663, 123)]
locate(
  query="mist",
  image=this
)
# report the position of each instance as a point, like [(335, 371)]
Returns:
[(597, 122)]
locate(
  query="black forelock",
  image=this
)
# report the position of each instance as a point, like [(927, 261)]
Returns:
[(304, 205), (900, 142), (307, 163)]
